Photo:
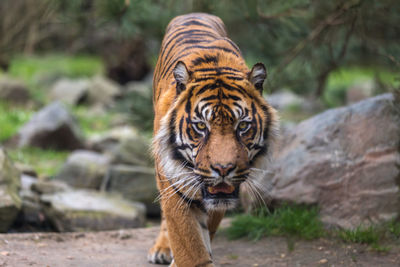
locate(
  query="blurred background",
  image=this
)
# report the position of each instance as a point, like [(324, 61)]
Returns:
[(75, 91)]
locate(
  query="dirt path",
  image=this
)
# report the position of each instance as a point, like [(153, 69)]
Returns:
[(129, 248)]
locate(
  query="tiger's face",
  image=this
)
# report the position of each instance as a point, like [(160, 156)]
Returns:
[(216, 135)]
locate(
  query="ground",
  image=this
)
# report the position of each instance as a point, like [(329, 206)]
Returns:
[(129, 248)]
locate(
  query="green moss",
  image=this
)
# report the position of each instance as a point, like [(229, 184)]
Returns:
[(45, 162), (11, 118)]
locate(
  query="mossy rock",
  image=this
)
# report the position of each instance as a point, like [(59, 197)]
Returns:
[(10, 202)]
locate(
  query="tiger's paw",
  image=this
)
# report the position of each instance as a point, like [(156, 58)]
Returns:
[(159, 255)]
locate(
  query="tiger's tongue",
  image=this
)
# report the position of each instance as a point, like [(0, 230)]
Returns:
[(221, 188)]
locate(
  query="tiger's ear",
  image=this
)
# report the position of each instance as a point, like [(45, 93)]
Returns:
[(182, 76), (257, 76)]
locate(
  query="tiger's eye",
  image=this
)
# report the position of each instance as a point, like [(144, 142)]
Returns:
[(201, 125), (243, 125)]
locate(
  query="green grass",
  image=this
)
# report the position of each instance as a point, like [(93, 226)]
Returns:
[(297, 221), (11, 119), (46, 162), (394, 229), (361, 235), (30, 68), (290, 221), (341, 80), (91, 123), (38, 72)]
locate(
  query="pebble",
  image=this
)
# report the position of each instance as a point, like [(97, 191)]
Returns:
[(323, 261), (5, 253)]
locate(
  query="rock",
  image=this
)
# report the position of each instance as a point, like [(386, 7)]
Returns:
[(25, 169), (49, 187), (143, 88), (360, 91), (13, 91), (103, 91), (286, 100), (124, 145), (98, 91), (135, 183), (68, 91), (346, 160), (31, 212), (10, 202), (91, 211), (84, 169), (52, 127)]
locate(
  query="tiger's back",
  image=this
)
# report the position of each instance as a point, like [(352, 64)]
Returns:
[(200, 41)]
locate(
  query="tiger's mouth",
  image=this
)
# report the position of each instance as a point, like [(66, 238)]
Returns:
[(220, 191)]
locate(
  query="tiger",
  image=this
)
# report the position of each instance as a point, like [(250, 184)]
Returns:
[(213, 132)]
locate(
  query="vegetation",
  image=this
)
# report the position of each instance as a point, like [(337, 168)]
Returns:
[(33, 68), (11, 119), (92, 123), (46, 162), (294, 221), (291, 221), (302, 42)]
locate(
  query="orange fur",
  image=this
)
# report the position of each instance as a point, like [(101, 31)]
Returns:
[(211, 127)]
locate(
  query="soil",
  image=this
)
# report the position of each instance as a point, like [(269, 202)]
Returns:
[(129, 248)]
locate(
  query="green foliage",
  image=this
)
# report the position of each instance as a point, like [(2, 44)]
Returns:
[(302, 222), (139, 108), (92, 123), (45, 161), (361, 235), (30, 68), (300, 41), (344, 78), (290, 221), (11, 118), (394, 228), (38, 72)]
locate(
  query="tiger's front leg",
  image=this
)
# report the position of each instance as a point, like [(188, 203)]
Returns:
[(188, 233)]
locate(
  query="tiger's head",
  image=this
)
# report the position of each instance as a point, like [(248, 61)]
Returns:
[(216, 135)]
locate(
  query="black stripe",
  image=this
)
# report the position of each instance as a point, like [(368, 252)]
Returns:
[(166, 69), (206, 87), (218, 69), (195, 22), (214, 47), (234, 78), (205, 59)]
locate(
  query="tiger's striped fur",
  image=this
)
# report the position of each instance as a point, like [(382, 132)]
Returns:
[(212, 132)]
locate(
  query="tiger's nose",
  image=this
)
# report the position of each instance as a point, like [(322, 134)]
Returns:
[(223, 170)]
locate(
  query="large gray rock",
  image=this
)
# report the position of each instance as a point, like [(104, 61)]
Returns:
[(125, 145), (135, 183), (103, 91), (98, 91), (52, 127), (10, 202), (72, 92), (13, 91), (346, 160), (84, 169), (91, 211)]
